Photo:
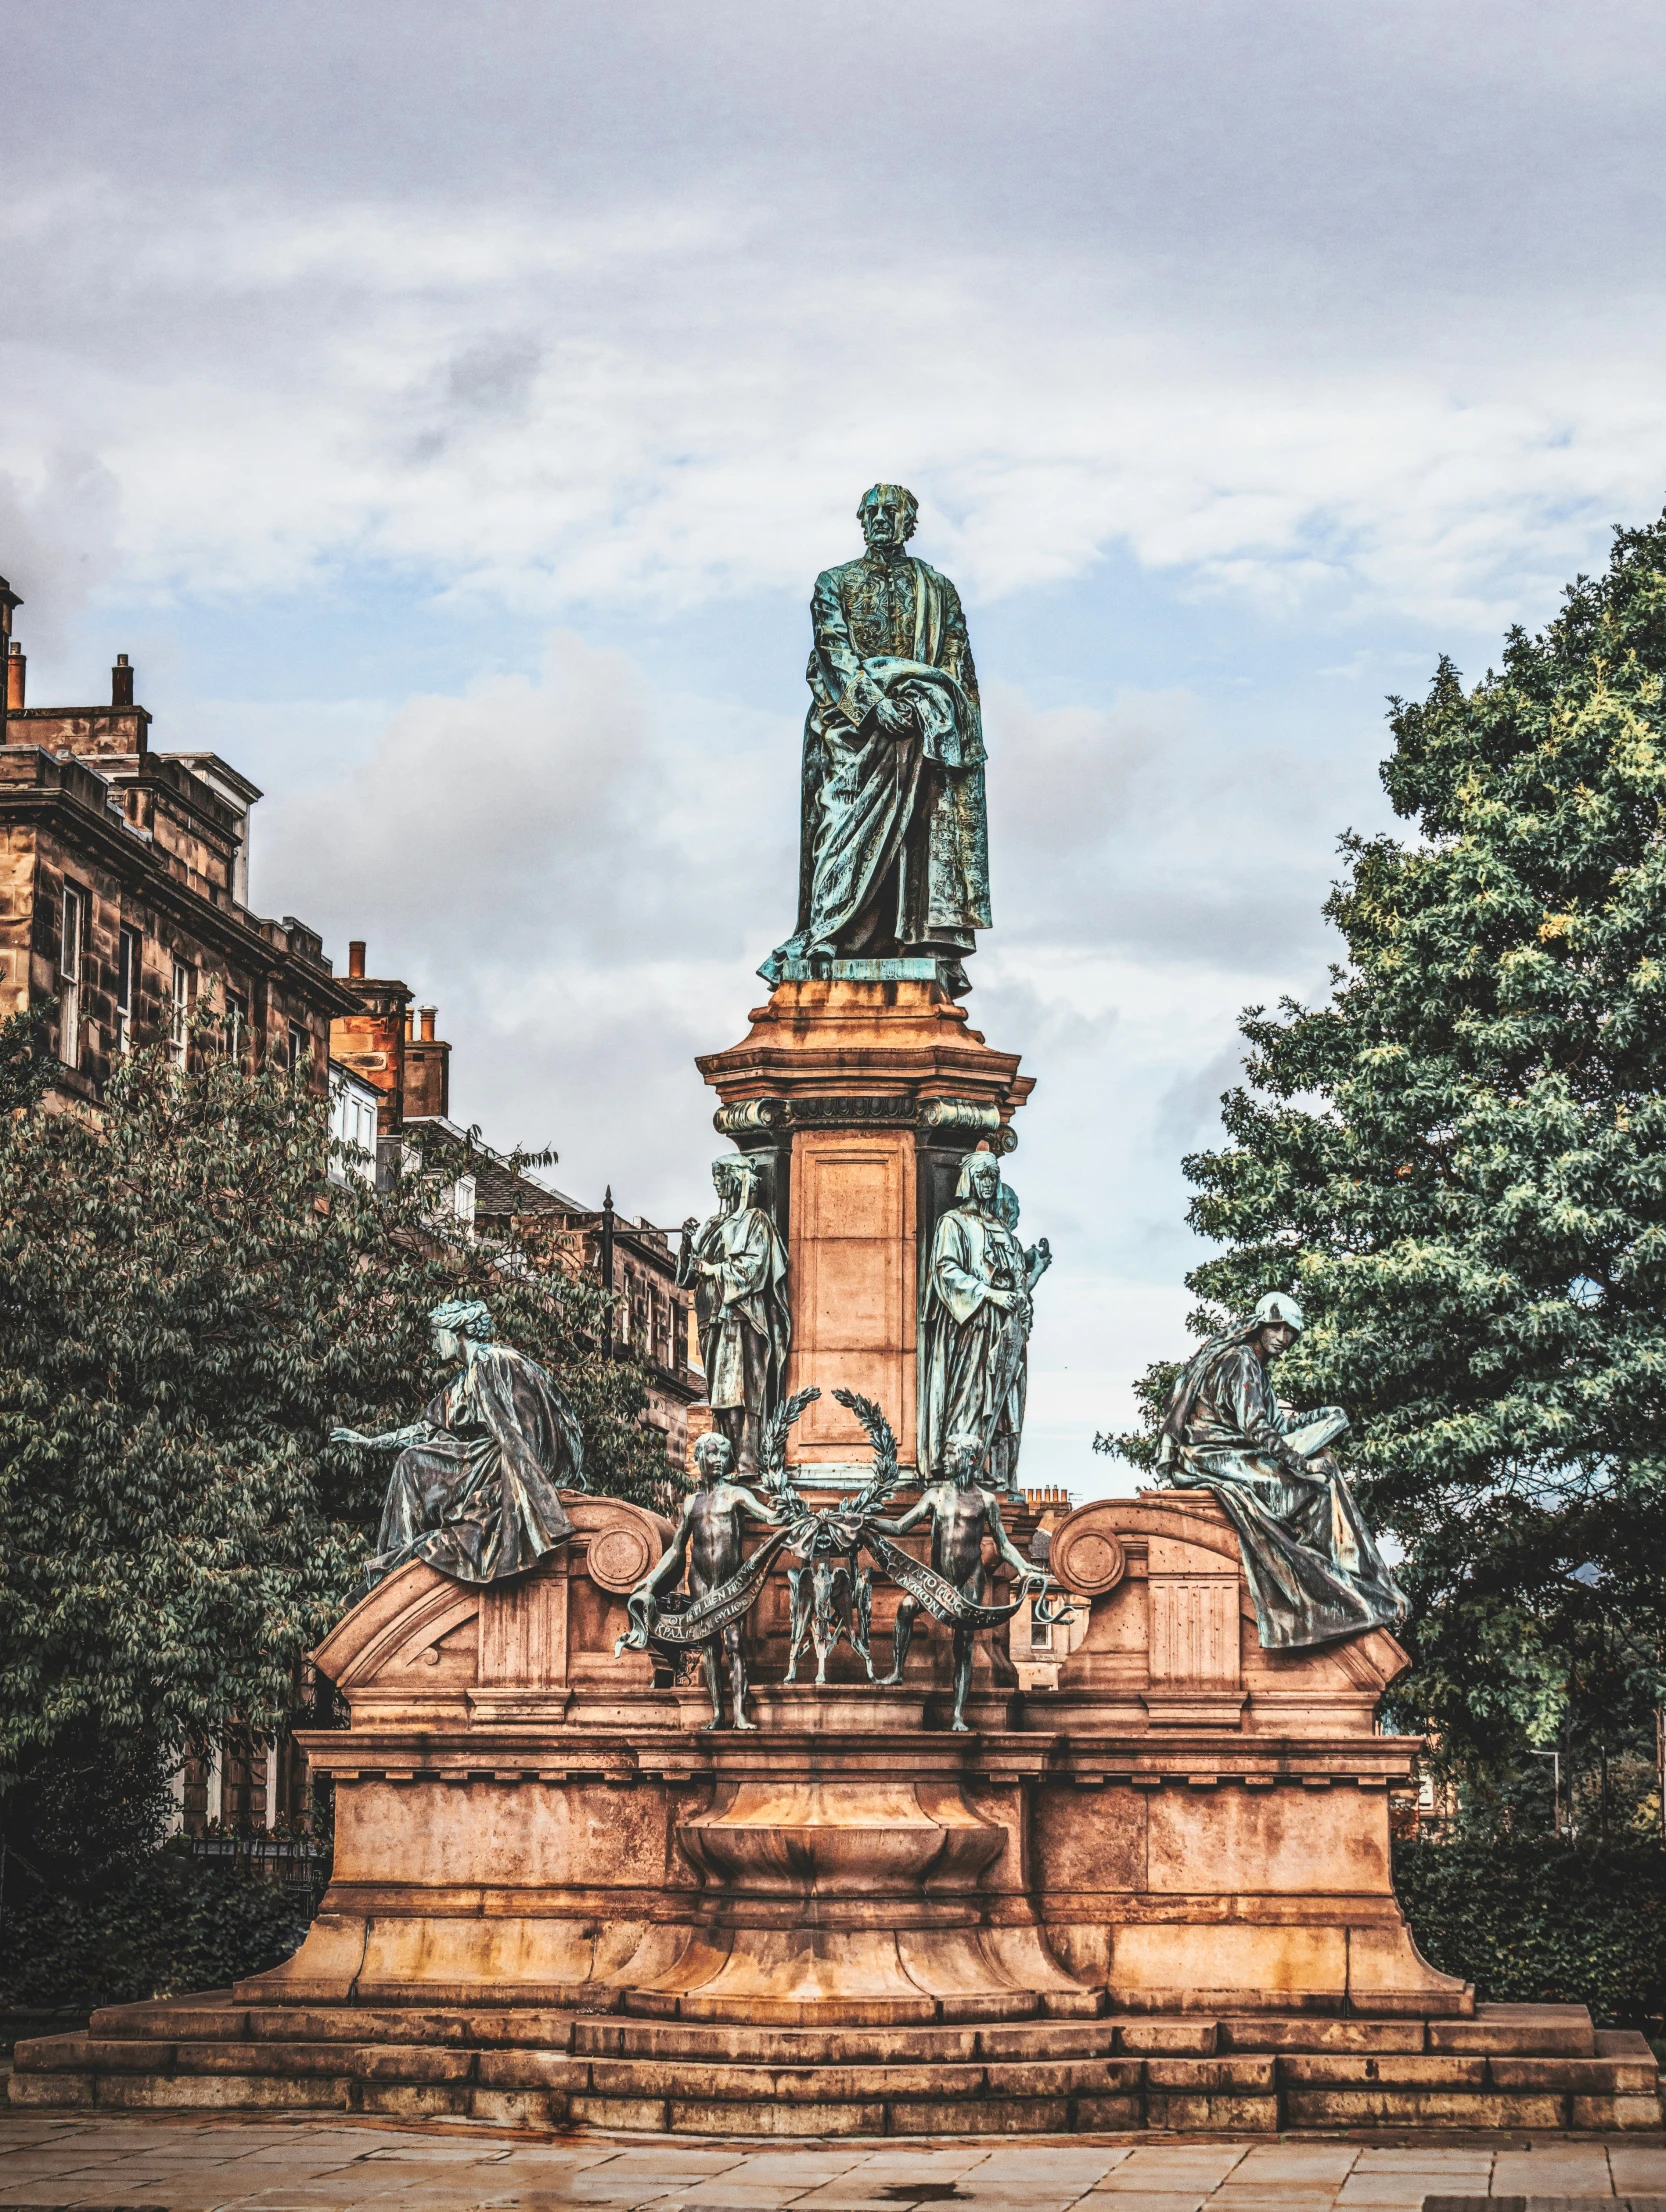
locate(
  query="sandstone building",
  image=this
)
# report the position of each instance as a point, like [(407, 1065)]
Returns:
[(124, 897)]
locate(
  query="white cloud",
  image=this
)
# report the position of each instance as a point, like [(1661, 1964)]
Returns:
[(674, 402)]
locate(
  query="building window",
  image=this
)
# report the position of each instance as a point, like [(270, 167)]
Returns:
[(127, 987), (352, 1124), (1041, 1634), (180, 1029), (300, 1045), (459, 1202), (237, 1026), (72, 942)]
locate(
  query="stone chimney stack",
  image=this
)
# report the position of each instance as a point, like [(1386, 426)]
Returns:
[(17, 677), (427, 1070), (121, 683), (372, 1041)]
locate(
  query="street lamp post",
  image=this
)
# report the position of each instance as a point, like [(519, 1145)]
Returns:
[(9, 600)]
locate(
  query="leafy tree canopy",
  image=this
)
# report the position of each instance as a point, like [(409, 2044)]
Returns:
[(188, 1303), (1459, 1165)]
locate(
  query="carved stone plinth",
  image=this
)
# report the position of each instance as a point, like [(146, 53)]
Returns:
[(859, 1100), (1159, 1896), (851, 1900)]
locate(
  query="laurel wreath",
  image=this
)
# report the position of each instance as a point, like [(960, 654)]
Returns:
[(882, 1437)]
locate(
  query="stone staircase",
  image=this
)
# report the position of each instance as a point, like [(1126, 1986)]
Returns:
[(1509, 2066)]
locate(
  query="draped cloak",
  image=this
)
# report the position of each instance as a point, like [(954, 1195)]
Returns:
[(1313, 1567), (894, 840), (749, 1293), (960, 1333), (478, 1499)]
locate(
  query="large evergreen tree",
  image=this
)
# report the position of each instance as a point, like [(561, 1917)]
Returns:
[(1459, 1164)]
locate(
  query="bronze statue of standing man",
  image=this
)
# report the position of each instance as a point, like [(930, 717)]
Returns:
[(737, 1267), (894, 854), (975, 1313)]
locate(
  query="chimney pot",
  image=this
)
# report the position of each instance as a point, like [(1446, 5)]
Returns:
[(17, 672), (355, 956), (428, 1013), (121, 683), (410, 1028)]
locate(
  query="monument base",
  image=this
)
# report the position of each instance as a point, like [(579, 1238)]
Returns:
[(1158, 1898)]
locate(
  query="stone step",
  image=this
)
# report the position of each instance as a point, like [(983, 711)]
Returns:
[(1521, 2031), (1317, 2089), (1140, 2036), (477, 2026), (1520, 2066)]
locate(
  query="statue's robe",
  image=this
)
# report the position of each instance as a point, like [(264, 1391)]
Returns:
[(747, 1297), (1313, 1567), (972, 1360), (478, 1501), (894, 852), (744, 1323)]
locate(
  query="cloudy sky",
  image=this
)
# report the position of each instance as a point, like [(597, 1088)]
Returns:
[(448, 408)]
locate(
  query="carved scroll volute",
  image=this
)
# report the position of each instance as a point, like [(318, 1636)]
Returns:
[(1086, 1555), (528, 1628), (616, 1559), (621, 1542)]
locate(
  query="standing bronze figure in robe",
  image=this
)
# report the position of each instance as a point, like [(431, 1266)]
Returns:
[(736, 1265), (894, 852), (976, 1306)]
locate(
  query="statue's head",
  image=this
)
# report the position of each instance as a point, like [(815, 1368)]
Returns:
[(962, 1461), (713, 1457), (733, 1177), (980, 1179), (1278, 1322), (457, 1319), (887, 514)]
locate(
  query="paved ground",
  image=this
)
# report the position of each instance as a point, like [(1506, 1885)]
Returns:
[(317, 2166)]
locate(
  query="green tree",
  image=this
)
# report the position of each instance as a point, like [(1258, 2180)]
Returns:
[(188, 1303), (1458, 1163)]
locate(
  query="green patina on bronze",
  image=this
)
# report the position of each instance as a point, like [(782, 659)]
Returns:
[(475, 1488), (894, 843), (1313, 1567)]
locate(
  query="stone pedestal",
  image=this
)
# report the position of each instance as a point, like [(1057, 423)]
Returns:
[(1157, 1897), (859, 1100)]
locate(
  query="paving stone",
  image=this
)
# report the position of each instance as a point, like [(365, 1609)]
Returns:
[(1638, 2168), (1560, 2170), (480, 2152), (1151, 2200), (1297, 2162), (1142, 2181), (1188, 2158), (1423, 2157), (1270, 2196), (1386, 2192)]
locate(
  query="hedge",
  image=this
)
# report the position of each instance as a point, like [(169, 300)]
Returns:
[(157, 1927), (1534, 1920)]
